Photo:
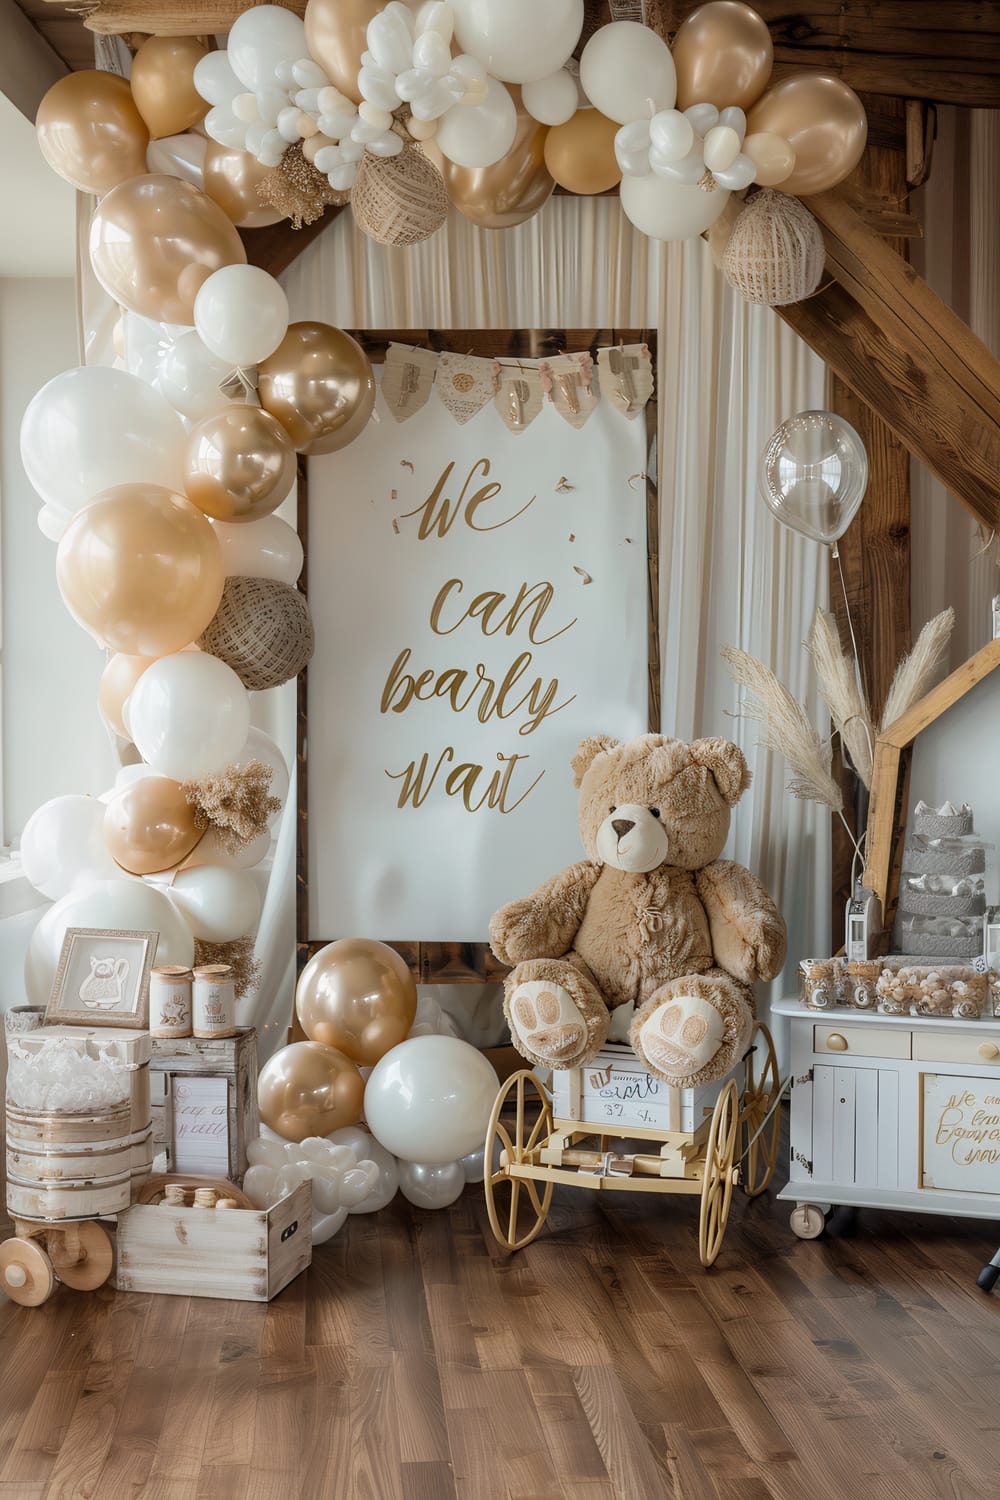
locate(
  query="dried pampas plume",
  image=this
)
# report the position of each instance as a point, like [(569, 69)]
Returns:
[(917, 673), (238, 955), (235, 802), (786, 728), (838, 682)]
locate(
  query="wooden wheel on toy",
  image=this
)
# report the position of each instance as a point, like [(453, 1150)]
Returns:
[(516, 1208), (81, 1255), (719, 1172), (761, 1118), (26, 1273)]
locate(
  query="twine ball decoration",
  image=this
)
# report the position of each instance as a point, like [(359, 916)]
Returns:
[(775, 253), (399, 200), (262, 630)]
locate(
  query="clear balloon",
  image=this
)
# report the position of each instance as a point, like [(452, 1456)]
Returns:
[(357, 995), (668, 210), (519, 41), (189, 715), (429, 1099), (190, 379), (477, 135), (149, 826), (580, 155), (218, 903), (240, 465), (309, 1089), (63, 844), (92, 428), (319, 384), (90, 132), (814, 473), (270, 548), (723, 54), (624, 67), (431, 1184), (241, 315), (162, 83)]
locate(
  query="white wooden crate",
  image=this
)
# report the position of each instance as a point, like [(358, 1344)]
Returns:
[(615, 1092)]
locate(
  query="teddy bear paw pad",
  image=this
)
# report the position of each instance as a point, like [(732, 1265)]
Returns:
[(681, 1036), (547, 1022)]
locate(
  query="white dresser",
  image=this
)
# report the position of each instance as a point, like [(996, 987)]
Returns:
[(892, 1112)]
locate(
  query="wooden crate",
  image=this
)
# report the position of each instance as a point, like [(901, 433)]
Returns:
[(231, 1057), (616, 1093), (244, 1255)]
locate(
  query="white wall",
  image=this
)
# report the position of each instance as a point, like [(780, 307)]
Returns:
[(54, 739)]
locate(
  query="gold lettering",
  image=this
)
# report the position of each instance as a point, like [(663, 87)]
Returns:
[(438, 513), (532, 601), (461, 781)]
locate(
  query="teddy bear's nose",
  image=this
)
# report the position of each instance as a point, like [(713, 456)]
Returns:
[(622, 826)]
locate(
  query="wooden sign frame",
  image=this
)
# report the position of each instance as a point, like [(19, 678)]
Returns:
[(472, 963)]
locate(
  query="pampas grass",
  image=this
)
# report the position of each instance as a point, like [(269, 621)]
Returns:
[(917, 673), (786, 728), (838, 680)]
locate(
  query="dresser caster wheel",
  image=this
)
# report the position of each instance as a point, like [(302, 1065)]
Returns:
[(807, 1221)]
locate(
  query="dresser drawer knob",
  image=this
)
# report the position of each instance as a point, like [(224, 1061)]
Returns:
[(988, 1051), (837, 1043)]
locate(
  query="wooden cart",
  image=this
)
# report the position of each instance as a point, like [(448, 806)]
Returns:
[(701, 1141)]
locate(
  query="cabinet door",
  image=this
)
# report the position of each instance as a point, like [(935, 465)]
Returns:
[(855, 1126)]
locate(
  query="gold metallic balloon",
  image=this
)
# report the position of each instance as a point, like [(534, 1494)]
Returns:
[(141, 569), (823, 121), (335, 32), (149, 826), (90, 132), (240, 464), (359, 996), (162, 82), (117, 680), (230, 180), (309, 1089), (319, 384), (723, 54), (580, 154), (514, 188), (153, 242)]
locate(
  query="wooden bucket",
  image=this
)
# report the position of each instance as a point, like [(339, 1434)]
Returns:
[(142, 1113), (141, 1154), (68, 1166)]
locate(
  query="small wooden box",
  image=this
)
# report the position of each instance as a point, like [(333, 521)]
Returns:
[(242, 1254), (616, 1093), (231, 1057)]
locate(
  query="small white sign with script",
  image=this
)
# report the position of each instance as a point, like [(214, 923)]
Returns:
[(961, 1145), (201, 1126)]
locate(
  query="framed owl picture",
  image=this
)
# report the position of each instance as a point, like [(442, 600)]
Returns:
[(102, 978)]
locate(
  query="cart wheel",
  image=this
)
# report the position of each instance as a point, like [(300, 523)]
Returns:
[(26, 1272), (517, 1219), (717, 1182), (82, 1255), (762, 1086), (807, 1221)]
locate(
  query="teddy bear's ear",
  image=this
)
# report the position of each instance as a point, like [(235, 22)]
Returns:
[(726, 763), (593, 746)]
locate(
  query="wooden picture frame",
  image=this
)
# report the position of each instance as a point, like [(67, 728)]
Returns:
[(103, 978), (469, 962)]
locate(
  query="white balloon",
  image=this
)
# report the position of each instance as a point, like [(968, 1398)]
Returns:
[(671, 134), (431, 1184), (624, 65), (180, 156), (215, 80), (477, 135), (145, 342), (668, 210), (260, 746), (519, 41), (95, 427), (474, 1165), (259, 39), (264, 1153), (219, 904), (260, 1181), (52, 522), (222, 125), (551, 100), (121, 905), (268, 548), (210, 851), (429, 1099), (189, 715), (366, 1148), (63, 843), (189, 376), (241, 315)]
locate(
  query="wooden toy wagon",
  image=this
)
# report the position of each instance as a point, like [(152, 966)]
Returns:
[(700, 1141)]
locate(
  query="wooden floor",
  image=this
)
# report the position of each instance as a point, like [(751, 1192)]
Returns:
[(416, 1362)]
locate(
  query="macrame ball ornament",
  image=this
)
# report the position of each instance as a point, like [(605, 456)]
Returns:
[(262, 629), (775, 254), (399, 200)]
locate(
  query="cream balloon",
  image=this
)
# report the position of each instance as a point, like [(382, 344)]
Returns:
[(162, 83), (231, 179), (477, 135), (92, 428), (260, 746), (215, 80), (180, 156), (431, 1184), (90, 132), (117, 905), (270, 548), (824, 123), (63, 843), (670, 210), (518, 41), (52, 523), (219, 904), (552, 100), (241, 315), (772, 155), (723, 54), (189, 715), (259, 39), (190, 376), (429, 1099), (625, 68), (580, 155)]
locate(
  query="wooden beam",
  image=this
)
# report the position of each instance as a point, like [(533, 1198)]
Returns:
[(28, 65), (276, 247)]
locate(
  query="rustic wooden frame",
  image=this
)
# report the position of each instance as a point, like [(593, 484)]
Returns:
[(58, 1010), (472, 963), (891, 776)]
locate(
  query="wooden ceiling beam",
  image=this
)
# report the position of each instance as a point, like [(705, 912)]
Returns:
[(28, 65)]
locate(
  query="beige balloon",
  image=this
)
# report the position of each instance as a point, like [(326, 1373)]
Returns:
[(117, 681), (239, 465), (90, 132), (723, 55), (141, 569), (359, 996), (149, 826), (335, 33), (231, 177), (155, 240), (580, 154), (514, 188), (823, 121), (309, 1089), (772, 155), (319, 384), (162, 80)]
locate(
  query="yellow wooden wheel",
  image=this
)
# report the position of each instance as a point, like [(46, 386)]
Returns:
[(760, 1095), (26, 1273), (717, 1182), (515, 1207), (81, 1255)]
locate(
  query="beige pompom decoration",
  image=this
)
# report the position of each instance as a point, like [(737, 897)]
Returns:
[(262, 629), (775, 254), (399, 200)]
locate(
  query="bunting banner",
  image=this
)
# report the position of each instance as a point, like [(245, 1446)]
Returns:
[(626, 372), (407, 379)]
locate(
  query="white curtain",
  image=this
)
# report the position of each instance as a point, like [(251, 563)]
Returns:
[(728, 373)]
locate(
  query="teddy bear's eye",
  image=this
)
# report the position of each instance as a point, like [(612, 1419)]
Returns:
[(655, 811), (613, 809)]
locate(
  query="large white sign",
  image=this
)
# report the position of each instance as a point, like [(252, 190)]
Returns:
[(961, 1145), (480, 604)]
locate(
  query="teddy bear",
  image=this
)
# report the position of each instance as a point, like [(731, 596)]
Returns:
[(651, 919)]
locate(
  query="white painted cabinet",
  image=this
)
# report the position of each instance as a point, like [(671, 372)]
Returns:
[(892, 1112)]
